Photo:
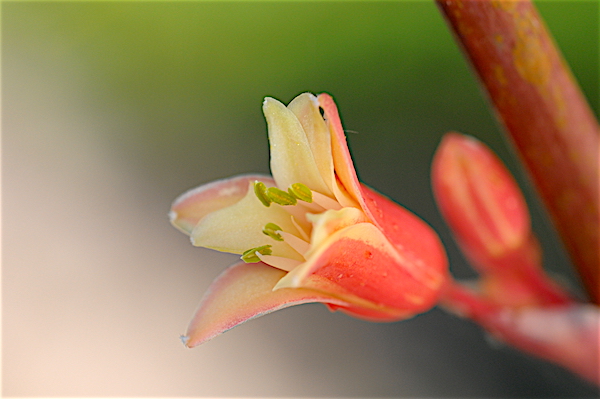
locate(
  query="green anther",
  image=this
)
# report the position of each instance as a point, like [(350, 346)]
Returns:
[(281, 197), (301, 192), (271, 230), (261, 192), (249, 256)]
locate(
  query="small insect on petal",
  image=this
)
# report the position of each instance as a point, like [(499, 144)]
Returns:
[(261, 192), (280, 197), (271, 230), (301, 192), (249, 256)]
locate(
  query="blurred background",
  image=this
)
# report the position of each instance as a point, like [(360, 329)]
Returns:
[(112, 109)]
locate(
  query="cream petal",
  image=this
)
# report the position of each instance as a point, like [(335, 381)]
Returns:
[(328, 222), (239, 227), (306, 108), (241, 293), (292, 160), (193, 205)]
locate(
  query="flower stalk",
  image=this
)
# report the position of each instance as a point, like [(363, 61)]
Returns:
[(513, 298)]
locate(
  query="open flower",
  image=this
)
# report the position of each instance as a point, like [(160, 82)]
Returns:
[(310, 233)]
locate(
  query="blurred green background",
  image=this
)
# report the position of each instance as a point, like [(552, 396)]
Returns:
[(112, 109)]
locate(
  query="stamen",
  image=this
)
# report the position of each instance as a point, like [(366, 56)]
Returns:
[(280, 197), (326, 202), (280, 262), (298, 244), (250, 256), (271, 230), (301, 192), (303, 234), (261, 192)]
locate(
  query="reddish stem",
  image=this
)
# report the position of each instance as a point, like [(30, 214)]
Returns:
[(544, 113)]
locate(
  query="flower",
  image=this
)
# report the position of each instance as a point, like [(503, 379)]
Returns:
[(309, 233), (513, 298), (484, 207)]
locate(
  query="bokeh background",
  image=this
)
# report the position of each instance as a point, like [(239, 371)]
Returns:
[(112, 109)]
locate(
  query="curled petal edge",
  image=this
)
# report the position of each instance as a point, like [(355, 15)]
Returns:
[(244, 292), (190, 207)]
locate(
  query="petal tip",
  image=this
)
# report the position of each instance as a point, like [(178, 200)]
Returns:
[(185, 339), (269, 102)]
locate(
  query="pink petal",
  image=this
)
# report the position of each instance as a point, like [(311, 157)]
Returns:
[(241, 293), (193, 205), (413, 238), (408, 232), (342, 161), (358, 260)]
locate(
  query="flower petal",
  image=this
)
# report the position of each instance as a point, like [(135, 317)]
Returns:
[(306, 109), (359, 259), (330, 221), (239, 227), (241, 293), (342, 161), (410, 235), (405, 230), (292, 160), (193, 205)]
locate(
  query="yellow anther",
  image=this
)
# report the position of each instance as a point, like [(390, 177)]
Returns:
[(281, 197), (301, 192), (261, 192), (250, 256), (271, 230)]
